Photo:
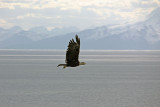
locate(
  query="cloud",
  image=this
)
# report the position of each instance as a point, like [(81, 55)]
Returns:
[(157, 2), (40, 4), (84, 13), (144, 4), (79, 5), (6, 5), (4, 23), (33, 15), (70, 4)]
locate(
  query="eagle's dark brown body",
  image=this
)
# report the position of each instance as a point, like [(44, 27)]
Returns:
[(72, 54)]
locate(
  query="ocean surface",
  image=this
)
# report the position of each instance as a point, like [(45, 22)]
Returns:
[(31, 78)]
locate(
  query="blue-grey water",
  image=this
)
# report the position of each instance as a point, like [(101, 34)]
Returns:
[(30, 78)]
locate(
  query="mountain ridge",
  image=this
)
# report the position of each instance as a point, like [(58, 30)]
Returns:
[(141, 35)]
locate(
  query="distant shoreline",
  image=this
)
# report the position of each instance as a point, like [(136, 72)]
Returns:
[(65, 50)]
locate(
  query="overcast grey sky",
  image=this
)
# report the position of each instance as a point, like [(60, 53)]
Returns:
[(68, 13)]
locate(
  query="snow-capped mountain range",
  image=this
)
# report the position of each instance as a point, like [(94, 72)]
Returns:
[(35, 34), (140, 35)]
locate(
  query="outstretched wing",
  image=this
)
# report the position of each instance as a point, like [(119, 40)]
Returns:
[(72, 54)]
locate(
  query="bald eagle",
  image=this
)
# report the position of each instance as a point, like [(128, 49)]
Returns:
[(72, 54)]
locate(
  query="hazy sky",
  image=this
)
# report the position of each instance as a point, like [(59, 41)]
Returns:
[(78, 13)]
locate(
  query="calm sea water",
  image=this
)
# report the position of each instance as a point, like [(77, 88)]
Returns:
[(30, 78)]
